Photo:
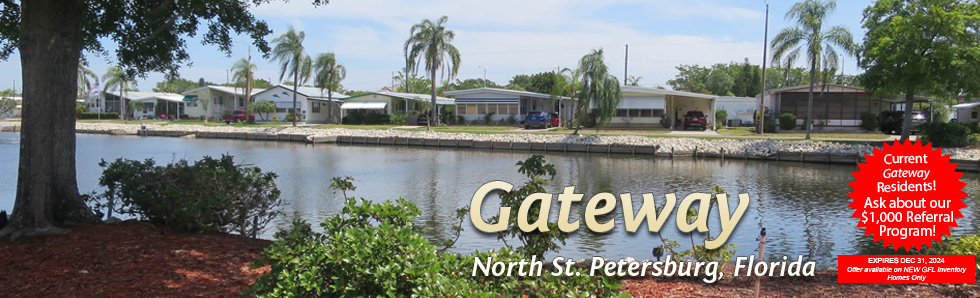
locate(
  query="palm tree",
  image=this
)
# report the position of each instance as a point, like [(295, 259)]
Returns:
[(599, 90), (633, 80), (243, 72), (431, 43), (116, 77), (809, 38), (262, 106), (289, 52), (85, 78), (329, 74)]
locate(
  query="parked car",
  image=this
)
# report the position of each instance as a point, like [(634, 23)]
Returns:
[(695, 119), (537, 119), (890, 122), (237, 116), (556, 121)]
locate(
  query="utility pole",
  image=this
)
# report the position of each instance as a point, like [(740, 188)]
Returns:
[(765, 56), (626, 64), (484, 76)]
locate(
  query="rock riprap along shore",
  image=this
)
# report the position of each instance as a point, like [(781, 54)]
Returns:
[(754, 147)]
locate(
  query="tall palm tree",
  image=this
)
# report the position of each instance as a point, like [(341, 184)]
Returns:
[(116, 77), (431, 43), (243, 72), (289, 52), (599, 90), (85, 78), (328, 76), (810, 39)]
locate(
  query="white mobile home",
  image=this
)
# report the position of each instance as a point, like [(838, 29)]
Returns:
[(501, 104), (651, 107), (313, 104), (221, 99), (741, 110)]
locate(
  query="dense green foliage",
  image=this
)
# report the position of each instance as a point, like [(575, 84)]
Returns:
[(472, 84), (175, 85), (944, 134), (534, 243), (870, 121), (544, 82), (921, 47), (787, 121), (598, 90), (375, 249), (105, 115), (356, 118), (720, 117), (213, 195)]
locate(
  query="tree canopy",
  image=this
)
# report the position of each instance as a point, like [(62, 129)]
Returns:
[(431, 44), (921, 47), (50, 35), (599, 90), (809, 39), (175, 85)]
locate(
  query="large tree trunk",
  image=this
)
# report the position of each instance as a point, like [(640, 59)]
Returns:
[(432, 109), (329, 106), (809, 102), (907, 118), (47, 191)]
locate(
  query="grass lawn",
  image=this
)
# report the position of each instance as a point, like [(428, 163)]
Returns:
[(817, 134), (350, 126), (222, 123)]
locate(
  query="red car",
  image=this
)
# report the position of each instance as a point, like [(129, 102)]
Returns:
[(555, 120), (695, 119), (237, 116)]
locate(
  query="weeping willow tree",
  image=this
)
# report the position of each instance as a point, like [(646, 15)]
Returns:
[(599, 90)]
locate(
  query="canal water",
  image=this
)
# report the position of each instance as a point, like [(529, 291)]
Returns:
[(802, 206)]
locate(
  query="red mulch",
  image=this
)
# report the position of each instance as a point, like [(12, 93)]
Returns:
[(138, 260), (129, 260), (824, 284)]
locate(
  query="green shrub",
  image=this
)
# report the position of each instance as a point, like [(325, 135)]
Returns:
[(357, 118), (720, 117), (944, 134), (512, 120), (375, 249), (488, 118), (375, 118), (822, 121), (104, 115), (787, 121), (973, 140), (870, 122), (460, 119), (534, 243), (974, 127), (448, 115), (211, 195), (398, 119)]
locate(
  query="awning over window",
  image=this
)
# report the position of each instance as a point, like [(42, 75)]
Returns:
[(653, 102), (355, 105), (190, 98)]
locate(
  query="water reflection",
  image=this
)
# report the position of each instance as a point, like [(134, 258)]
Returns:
[(803, 206)]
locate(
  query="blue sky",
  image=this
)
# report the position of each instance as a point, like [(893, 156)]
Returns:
[(508, 37)]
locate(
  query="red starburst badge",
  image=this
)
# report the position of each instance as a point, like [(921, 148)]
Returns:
[(907, 194)]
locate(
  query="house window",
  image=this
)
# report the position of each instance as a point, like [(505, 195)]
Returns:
[(471, 109), (220, 100), (658, 113), (316, 107), (973, 114), (461, 109), (241, 101), (621, 112)]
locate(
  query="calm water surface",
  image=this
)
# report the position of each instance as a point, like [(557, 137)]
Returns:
[(803, 206)]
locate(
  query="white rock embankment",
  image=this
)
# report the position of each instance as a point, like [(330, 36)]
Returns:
[(757, 147)]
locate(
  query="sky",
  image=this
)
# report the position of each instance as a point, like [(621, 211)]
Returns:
[(505, 38)]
